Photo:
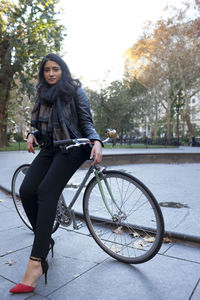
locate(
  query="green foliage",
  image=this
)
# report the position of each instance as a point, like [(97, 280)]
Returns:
[(28, 31), (166, 59), (117, 106), (15, 147)]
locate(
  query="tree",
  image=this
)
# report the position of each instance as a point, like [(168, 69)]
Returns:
[(117, 106), (28, 31), (166, 59)]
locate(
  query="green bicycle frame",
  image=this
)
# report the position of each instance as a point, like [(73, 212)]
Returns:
[(103, 195)]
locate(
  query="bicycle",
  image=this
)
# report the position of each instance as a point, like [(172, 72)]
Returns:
[(121, 213)]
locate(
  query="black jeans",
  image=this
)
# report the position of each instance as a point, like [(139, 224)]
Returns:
[(41, 188)]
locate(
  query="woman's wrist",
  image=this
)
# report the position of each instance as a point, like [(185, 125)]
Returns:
[(98, 141), (29, 134)]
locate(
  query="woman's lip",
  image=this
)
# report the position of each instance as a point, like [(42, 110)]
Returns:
[(52, 78)]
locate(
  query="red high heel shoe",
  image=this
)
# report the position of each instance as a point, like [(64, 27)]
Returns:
[(23, 288)]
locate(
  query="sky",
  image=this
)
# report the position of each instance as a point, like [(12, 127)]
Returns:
[(100, 31)]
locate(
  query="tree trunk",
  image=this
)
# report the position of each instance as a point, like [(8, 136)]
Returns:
[(4, 96), (6, 77), (3, 125), (169, 125), (190, 126), (155, 128)]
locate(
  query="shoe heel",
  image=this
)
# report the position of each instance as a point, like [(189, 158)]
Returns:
[(52, 251), (44, 265), (45, 277), (52, 243)]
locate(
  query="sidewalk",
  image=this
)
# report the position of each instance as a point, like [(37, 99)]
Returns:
[(80, 270), (176, 183)]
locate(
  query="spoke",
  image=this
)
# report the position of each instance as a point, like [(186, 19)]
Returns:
[(134, 208)]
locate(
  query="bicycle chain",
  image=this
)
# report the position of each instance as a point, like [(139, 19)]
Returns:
[(63, 214)]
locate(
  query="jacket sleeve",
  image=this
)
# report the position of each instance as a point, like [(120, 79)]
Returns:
[(84, 116), (37, 135)]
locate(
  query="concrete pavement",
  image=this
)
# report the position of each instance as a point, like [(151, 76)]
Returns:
[(176, 183), (81, 270)]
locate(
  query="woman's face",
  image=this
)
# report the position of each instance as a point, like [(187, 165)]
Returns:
[(52, 72)]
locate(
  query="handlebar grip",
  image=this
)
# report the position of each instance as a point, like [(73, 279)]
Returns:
[(63, 142)]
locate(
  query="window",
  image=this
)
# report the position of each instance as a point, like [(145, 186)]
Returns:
[(193, 100)]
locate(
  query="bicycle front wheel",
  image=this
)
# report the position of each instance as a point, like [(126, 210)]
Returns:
[(17, 180), (128, 224)]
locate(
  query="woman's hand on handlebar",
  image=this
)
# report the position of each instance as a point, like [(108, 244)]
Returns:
[(30, 142), (96, 153)]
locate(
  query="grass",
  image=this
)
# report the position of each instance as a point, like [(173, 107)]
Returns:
[(22, 146), (14, 147)]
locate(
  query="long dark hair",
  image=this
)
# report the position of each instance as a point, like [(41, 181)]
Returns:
[(67, 83)]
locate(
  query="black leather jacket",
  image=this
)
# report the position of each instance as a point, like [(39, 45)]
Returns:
[(80, 122)]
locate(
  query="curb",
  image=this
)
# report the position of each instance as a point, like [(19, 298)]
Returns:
[(170, 234), (146, 158), (182, 237), (151, 158)]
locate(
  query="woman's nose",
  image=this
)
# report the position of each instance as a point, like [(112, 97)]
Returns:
[(51, 73)]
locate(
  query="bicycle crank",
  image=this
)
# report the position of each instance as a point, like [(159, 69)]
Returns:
[(63, 214)]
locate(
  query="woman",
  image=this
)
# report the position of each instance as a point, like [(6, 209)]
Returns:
[(61, 111)]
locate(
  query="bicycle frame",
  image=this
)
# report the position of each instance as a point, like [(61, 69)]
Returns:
[(97, 171)]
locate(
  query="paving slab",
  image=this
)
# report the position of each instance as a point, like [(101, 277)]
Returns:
[(196, 295), (14, 239), (5, 286), (185, 252), (8, 220), (69, 246), (36, 297), (6, 201), (61, 270), (161, 278)]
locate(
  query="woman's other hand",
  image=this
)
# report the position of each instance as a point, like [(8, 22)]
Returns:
[(30, 142), (96, 153)]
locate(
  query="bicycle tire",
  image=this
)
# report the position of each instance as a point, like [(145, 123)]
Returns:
[(135, 234), (17, 180)]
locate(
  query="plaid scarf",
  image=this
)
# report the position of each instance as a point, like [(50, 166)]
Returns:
[(50, 112)]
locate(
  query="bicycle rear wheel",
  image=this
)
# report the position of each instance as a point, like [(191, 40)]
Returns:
[(17, 180), (131, 227)]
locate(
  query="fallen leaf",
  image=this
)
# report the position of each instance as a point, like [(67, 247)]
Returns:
[(10, 262), (149, 239), (118, 230), (140, 244), (134, 234), (1, 200), (114, 248), (167, 240)]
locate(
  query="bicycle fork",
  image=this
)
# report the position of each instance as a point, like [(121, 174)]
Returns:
[(115, 218)]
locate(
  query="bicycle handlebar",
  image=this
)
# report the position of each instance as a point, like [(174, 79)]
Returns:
[(69, 143)]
